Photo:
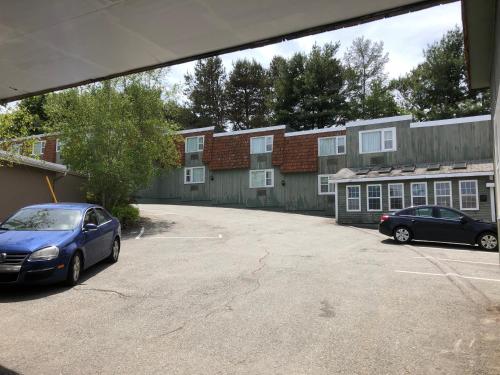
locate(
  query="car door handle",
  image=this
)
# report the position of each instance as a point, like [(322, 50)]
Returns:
[(413, 220)]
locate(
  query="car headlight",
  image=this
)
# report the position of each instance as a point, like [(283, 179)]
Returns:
[(47, 253)]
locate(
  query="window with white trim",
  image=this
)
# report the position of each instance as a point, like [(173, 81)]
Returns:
[(16, 148), (442, 193), (325, 185), (374, 197), (59, 145), (39, 148), (194, 144), (469, 199), (353, 198), (381, 140), (396, 197), (331, 146), (262, 178), (261, 145), (418, 193), (194, 175)]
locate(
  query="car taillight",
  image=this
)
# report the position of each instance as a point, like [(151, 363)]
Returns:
[(384, 218)]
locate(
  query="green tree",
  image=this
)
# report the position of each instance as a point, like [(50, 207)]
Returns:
[(308, 89), (437, 88), (380, 101), (247, 93), (15, 124), (115, 133), (365, 69), (205, 90)]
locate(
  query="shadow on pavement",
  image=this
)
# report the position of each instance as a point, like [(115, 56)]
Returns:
[(449, 246), (20, 293), (6, 371)]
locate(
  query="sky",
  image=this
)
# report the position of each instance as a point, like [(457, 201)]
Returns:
[(404, 38)]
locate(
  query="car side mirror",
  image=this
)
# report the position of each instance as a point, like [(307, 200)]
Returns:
[(462, 219), (89, 227)]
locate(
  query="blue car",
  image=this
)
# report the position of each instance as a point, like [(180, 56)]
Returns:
[(51, 243)]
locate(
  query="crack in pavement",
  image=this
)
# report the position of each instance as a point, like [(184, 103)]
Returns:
[(120, 294)]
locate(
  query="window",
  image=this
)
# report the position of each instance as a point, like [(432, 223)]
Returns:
[(442, 193), (382, 140), (331, 146), (262, 178), (102, 216), (90, 217), (374, 197), (353, 196), (194, 175), (423, 211), (59, 145), (16, 148), (418, 193), (194, 144), (445, 213), (469, 195), (39, 148), (261, 145), (325, 185), (396, 197)]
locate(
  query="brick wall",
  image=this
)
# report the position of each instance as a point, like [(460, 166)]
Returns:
[(300, 152)]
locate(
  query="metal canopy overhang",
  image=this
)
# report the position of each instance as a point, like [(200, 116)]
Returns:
[(55, 44), (479, 33)]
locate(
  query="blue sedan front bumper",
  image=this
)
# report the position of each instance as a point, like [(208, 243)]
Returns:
[(39, 272)]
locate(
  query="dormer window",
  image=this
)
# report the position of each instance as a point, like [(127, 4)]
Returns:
[(194, 144), (380, 140), (261, 145)]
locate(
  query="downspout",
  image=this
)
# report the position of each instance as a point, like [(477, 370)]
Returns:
[(336, 202)]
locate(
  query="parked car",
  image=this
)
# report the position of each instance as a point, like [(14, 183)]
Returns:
[(439, 224), (55, 242)]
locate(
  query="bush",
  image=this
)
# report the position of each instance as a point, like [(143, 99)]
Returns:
[(128, 215)]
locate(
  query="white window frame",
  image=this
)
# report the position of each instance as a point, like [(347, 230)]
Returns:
[(59, 145), (336, 138), (201, 145), (418, 196), (253, 171), (368, 198), (402, 197), (436, 195), (266, 143), (476, 208), (382, 140), (331, 183), (190, 169), (347, 198), (42, 150)]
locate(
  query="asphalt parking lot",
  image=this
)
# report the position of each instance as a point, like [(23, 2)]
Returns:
[(205, 290)]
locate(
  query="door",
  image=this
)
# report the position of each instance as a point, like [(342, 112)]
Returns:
[(106, 232), (92, 239), (424, 224), (450, 227)]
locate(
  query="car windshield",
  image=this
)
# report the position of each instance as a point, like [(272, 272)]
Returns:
[(39, 219)]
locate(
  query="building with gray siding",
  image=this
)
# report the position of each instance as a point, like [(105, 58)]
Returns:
[(355, 172)]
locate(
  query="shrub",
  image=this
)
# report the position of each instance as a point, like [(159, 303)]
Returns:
[(127, 214)]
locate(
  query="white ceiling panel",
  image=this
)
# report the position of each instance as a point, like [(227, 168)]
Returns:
[(51, 44)]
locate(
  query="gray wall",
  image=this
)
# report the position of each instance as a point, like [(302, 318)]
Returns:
[(471, 141), (369, 217), (495, 95)]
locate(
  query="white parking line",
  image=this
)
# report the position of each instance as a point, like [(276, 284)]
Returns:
[(181, 237), (140, 234), (456, 260), (447, 274)]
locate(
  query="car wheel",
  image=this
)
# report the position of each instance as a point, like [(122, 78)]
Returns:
[(488, 241), (115, 251), (74, 270), (402, 235)]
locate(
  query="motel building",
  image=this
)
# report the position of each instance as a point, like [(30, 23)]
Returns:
[(354, 172)]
